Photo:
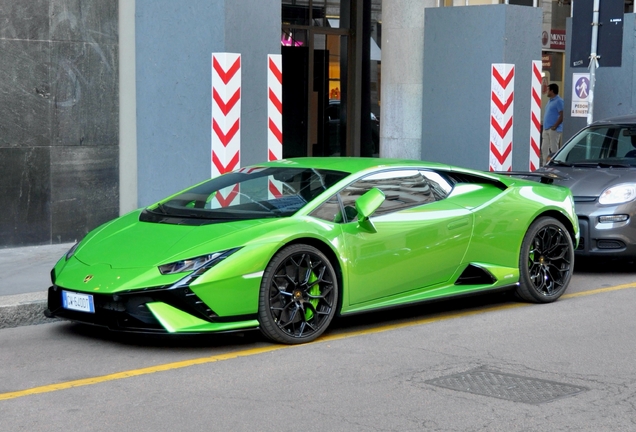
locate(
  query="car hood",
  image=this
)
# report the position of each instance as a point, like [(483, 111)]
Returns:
[(128, 243), (590, 181)]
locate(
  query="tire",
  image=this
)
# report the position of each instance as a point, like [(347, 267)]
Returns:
[(298, 295), (546, 261)]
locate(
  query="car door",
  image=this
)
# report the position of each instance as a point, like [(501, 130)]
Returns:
[(419, 241)]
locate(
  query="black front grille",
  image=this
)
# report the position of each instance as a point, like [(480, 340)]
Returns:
[(585, 199)]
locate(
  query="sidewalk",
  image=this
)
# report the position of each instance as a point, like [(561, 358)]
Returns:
[(24, 283)]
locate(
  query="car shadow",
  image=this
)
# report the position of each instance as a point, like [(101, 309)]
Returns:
[(425, 310), (194, 341), (254, 338), (586, 265)]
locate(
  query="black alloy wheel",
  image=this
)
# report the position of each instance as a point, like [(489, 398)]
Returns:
[(298, 296), (546, 261)]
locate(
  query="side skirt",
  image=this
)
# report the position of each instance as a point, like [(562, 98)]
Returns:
[(408, 301)]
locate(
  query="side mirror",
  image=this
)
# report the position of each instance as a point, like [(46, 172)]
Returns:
[(366, 205)]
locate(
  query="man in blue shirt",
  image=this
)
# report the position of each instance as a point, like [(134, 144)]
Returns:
[(552, 124)]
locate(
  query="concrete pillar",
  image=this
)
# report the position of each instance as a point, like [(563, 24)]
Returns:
[(402, 71), (127, 108), (456, 98), (174, 42)]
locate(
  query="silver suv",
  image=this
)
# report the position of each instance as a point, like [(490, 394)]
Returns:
[(598, 164)]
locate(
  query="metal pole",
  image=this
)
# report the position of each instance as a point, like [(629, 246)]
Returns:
[(593, 62)]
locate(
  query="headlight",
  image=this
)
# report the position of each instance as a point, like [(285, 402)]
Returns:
[(71, 251), (193, 264), (618, 194)]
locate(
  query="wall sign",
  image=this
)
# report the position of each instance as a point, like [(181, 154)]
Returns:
[(580, 94)]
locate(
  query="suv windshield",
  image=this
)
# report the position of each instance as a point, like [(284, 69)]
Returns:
[(248, 193), (600, 146)]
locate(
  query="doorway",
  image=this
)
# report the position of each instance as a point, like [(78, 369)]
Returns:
[(331, 77), (315, 49)]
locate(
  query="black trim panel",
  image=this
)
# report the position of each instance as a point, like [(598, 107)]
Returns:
[(128, 311)]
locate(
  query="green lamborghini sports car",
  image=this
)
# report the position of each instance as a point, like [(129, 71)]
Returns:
[(285, 246)]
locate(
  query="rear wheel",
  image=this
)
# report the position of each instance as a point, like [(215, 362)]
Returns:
[(546, 261), (298, 296)]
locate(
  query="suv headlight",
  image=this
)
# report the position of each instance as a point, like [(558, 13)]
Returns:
[(618, 194)]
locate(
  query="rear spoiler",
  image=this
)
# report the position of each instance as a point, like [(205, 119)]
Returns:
[(544, 177)]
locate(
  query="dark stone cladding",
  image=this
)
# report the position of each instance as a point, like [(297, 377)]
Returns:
[(59, 119)]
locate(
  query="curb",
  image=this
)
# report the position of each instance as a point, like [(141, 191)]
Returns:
[(23, 309)]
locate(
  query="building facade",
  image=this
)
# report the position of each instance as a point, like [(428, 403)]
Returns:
[(105, 105)]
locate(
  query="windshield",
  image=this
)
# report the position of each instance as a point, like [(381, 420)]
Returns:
[(248, 193), (604, 146)]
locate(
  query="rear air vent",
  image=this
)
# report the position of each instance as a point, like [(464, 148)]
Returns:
[(474, 275)]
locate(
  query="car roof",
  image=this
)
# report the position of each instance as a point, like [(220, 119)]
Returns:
[(350, 164), (354, 165), (624, 119)]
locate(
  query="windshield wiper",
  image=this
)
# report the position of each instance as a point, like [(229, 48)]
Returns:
[(559, 163), (161, 209), (177, 213), (586, 164), (613, 165), (591, 164)]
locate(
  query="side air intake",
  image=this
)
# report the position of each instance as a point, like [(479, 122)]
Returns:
[(474, 275)]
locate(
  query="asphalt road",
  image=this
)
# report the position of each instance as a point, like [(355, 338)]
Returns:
[(566, 366)]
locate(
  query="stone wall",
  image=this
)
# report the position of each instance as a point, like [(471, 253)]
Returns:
[(59, 151)]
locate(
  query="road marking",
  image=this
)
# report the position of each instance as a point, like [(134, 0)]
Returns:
[(137, 372), (600, 290), (255, 351)]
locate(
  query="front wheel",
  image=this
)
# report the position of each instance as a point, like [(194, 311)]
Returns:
[(546, 261), (299, 295)]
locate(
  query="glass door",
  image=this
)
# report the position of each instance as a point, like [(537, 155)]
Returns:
[(328, 119), (314, 51)]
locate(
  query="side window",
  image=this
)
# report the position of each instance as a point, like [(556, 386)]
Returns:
[(402, 188), (329, 210), (588, 145), (333, 112), (626, 143)]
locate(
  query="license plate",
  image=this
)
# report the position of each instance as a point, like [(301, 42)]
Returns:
[(78, 302)]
